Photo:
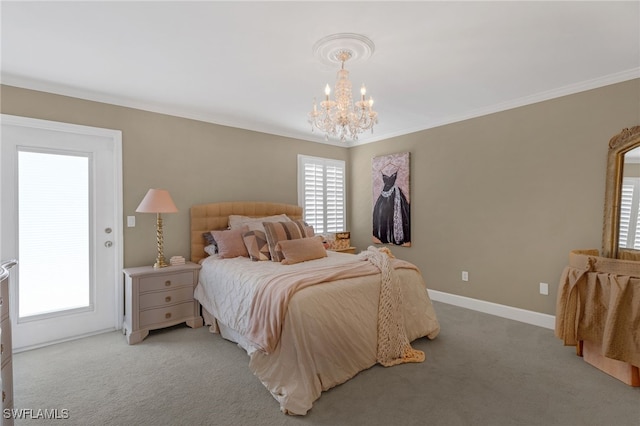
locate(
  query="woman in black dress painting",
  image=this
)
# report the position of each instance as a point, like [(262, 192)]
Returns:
[(391, 213)]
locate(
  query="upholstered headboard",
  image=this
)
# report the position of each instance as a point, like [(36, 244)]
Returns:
[(213, 216)]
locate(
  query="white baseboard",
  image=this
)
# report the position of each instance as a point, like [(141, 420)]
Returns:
[(54, 342), (504, 311)]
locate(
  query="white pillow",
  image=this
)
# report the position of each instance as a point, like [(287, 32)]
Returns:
[(254, 223)]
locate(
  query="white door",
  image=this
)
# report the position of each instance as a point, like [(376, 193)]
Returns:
[(61, 219)]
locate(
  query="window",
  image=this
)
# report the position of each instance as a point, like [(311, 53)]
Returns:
[(321, 193)]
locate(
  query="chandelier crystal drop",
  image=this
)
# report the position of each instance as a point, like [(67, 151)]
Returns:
[(340, 117)]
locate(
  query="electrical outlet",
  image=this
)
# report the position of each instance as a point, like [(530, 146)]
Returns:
[(544, 289), (131, 221), (465, 276)]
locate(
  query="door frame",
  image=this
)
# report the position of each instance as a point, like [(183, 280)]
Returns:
[(8, 213)]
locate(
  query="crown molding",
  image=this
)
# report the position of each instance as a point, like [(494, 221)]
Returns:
[(66, 90)]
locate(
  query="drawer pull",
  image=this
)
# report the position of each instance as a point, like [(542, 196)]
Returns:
[(167, 283), (167, 299), (4, 396), (167, 315), (1, 348)]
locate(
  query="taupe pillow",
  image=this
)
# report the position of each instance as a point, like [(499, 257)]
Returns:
[(230, 243), (302, 249)]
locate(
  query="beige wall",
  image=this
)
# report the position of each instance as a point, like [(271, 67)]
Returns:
[(196, 162), (505, 196)]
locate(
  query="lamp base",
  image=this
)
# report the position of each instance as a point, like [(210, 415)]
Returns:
[(160, 263)]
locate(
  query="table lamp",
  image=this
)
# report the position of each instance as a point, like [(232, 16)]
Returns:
[(158, 201)]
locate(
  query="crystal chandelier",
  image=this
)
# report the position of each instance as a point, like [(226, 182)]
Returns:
[(340, 117)]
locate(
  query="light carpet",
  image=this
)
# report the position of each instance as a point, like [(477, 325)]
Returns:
[(481, 370)]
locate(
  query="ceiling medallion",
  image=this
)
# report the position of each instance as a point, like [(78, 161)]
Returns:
[(340, 117), (326, 49)]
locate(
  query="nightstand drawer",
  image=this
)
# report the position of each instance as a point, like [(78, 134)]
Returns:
[(167, 281), (169, 313), (163, 298), (5, 341), (4, 304)]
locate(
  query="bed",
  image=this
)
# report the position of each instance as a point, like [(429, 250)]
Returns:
[(328, 331)]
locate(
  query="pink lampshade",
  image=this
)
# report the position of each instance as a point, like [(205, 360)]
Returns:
[(157, 201)]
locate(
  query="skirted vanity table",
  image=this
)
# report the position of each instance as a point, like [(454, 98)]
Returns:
[(598, 306)]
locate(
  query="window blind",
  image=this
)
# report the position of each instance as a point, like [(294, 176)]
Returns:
[(629, 234)]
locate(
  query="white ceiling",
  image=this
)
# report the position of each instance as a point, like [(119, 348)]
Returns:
[(250, 64)]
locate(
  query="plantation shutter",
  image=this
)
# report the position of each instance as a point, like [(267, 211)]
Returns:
[(321, 193), (626, 199), (629, 234)]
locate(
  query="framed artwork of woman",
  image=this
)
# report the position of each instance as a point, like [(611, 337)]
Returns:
[(391, 201)]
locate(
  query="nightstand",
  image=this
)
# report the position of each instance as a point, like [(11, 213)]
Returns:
[(350, 250), (159, 298)]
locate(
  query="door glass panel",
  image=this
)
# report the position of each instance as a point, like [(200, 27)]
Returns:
[(53, 233)]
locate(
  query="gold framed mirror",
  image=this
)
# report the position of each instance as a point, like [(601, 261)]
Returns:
[(622, 197)]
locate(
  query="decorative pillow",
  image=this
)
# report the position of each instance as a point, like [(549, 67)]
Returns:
[(301, 249), (308, 230), (230, 243), (280, 231), (254, 223), (211, 249), (257, 246), (210, 241)]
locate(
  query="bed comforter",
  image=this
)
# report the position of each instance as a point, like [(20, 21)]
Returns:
[(329, 332)]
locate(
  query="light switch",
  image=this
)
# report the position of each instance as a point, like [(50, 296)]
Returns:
[(131, 221)]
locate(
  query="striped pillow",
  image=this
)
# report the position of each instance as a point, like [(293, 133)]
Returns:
[(278, 231)]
